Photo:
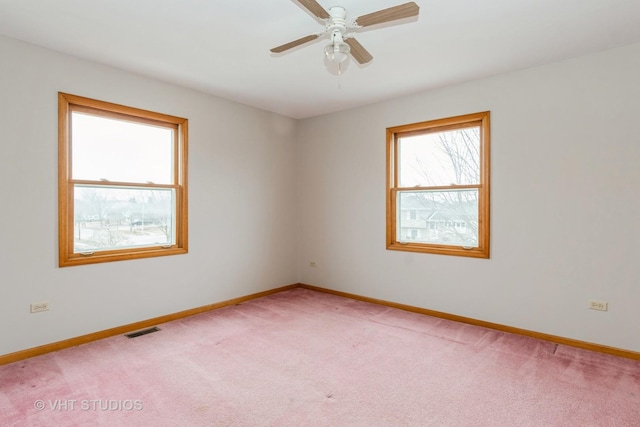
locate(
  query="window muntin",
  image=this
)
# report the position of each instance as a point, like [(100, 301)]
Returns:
[(438, 186), (122, 182)]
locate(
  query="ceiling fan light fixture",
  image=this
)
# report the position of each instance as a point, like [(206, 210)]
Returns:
[(337, 52)]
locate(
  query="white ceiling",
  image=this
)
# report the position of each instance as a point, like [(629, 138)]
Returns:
[(222, 47)]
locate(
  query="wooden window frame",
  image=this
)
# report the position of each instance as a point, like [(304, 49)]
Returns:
[(483, 187), (67, 104)]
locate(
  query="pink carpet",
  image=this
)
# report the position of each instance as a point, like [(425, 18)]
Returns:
[(303, 358)]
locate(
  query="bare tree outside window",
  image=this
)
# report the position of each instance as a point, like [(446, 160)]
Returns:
[(436, 159)]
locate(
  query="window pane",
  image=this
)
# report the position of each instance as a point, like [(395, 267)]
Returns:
[(117, 150), (113, 218), (440, 158), (438, 217)]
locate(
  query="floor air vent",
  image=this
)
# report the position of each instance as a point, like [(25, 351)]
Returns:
[(142, 332)]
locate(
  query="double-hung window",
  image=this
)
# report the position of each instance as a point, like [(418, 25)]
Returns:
[(438, 186), (122, 182)]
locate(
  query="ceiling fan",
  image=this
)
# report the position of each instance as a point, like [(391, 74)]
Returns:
[(339, 30)]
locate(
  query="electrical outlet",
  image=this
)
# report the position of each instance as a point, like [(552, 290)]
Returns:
[(598, 305), (312, 263), (40, 306)]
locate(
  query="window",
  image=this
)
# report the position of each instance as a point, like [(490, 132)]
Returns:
[(441, 168), (122, 182)]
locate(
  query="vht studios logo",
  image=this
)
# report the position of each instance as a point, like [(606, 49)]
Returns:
[(88, 405)]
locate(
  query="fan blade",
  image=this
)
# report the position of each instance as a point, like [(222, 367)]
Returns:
[(313, 7), (405, 10), (358, 52), (294, 43)]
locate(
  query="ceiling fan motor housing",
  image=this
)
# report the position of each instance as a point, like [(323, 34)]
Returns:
[(337, 21)]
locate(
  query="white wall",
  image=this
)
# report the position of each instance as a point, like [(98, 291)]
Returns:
[(242, 204), (565, 210)]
